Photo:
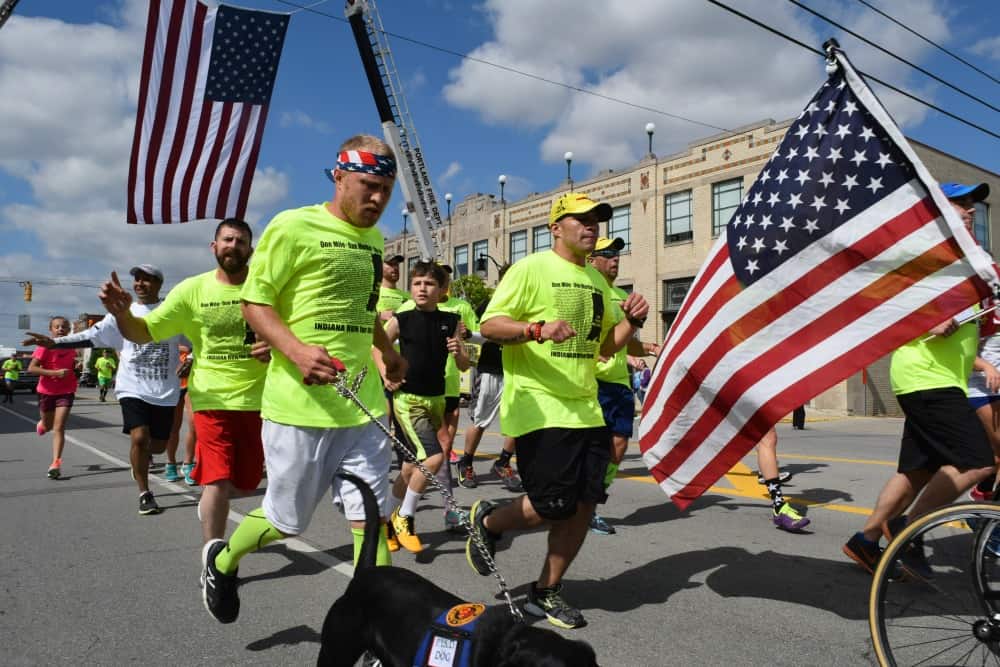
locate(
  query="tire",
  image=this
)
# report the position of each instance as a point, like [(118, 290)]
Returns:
[(949, 616)]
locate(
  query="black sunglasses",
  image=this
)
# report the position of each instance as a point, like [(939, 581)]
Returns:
[(605, 253)]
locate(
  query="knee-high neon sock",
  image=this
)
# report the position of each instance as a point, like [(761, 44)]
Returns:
[(609, 475), (382, 556), (254, 532)]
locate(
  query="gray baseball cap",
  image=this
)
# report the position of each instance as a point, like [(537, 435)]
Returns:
[(148, 269)]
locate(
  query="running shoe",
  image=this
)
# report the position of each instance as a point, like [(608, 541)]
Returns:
[(405, 529), (170, 472), (453, 521), (218, 590), (863, 552), (913, 561), (599, 526), (390, 537), (788, 519), (508, 477), (188, 470), (548, 603), (453, 457), (467, 476), (147, 504), (893, 527), (480, 509), (55, 470), (783, 477), (40, 427)]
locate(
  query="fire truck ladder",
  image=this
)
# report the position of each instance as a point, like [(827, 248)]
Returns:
[(6, 9), (397, 123)]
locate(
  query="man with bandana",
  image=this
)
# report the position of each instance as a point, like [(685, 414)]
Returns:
[(312, 293)]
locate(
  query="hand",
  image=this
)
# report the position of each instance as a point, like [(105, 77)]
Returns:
[(453, 345), (38, 339), (557, 331), (59, 373), (261, 351), (316, 365), (386, 315), (395, 366), (992, 378), (946, 328), (635, 307), (461, 332), (114, 297), (391, 386), (185, 368)]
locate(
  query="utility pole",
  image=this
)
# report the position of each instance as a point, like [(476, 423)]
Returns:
[(6, 9)]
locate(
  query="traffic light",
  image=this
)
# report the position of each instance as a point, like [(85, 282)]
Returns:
[(27, 291)]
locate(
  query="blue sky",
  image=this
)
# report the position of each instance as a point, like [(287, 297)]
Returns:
[(68, 83)]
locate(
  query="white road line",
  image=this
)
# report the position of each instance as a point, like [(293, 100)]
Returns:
[(292, 543)]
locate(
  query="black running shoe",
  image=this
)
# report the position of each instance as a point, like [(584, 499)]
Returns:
[(147, 504), (218, 590), (548, 603), (473, 555)]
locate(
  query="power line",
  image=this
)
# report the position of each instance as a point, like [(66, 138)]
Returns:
[(69, 282), (932, 43), (513, 70), (893, 55), (865, 74)]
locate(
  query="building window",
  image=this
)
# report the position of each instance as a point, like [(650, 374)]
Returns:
[(542, 238), (479, 251), (677, 217), (518, 245), (726, 198), (461, 261), (981, 224), (674, 292), (620, 226)]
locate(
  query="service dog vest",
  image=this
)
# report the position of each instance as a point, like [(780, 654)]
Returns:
[(448, 642)]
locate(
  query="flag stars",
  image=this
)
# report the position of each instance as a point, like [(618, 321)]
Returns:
[(834, 155), (811, 153), (802, 131), (874, 184), (841, 206), (758, 244), (765, 221), (773, 198), (811, 226), (850, 182), (843, 131), (794, 200), (866, 133), (751, 267), (741, 243), (780, 247), (883, 160), (830, 106), (820, 131), (803, 176), (787, 225), (818, 203), (757, 197), (782, 175), (850, 107), (793, 153), (826, 179), (859, 157)]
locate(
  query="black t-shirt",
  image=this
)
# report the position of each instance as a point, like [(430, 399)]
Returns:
[(422, 341), (490, 354)]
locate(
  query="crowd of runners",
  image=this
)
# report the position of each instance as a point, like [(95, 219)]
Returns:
[(259, 345)]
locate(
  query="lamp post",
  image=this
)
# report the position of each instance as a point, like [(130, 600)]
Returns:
[(502, 180), (568, 156), (406, 214), (481, 262), (447, 200), (650, 128)]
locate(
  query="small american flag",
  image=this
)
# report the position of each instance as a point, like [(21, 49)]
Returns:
[(842, 250), (207, 77)]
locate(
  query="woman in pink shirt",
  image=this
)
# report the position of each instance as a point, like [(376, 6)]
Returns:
[(56, 390)]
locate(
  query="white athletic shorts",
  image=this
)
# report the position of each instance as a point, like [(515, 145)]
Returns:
[(302, 464), (488, 393)]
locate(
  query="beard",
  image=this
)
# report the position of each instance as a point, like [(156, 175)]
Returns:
[(231, 263)]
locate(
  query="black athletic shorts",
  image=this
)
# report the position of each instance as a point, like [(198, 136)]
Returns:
[(941, 428), (450, 404), (560, 467), (159, 418)]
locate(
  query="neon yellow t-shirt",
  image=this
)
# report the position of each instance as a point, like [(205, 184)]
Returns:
[(552, 385), (207, 312), (615, 369), (390, 298), (941, 362), (105, 367), (12, 369), (461, 307), (318, 273)]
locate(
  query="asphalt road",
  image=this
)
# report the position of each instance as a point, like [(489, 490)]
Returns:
[(88, 581)]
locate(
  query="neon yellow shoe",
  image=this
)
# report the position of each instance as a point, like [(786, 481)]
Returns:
[(406, 535)]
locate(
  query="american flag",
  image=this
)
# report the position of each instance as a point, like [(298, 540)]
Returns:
[(206, 81), (842, 250)]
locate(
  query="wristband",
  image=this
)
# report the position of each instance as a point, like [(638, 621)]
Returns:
[(538, 330), (636, 322)]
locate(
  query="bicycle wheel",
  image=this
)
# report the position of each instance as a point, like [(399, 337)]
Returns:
[(986, 561), (935, 611)]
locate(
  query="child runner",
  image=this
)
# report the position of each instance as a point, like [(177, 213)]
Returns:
[(11, 370), (428, 336), (56, 390)]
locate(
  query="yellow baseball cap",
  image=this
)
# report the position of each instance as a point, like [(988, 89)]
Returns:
[(616, 243), (573, 203)]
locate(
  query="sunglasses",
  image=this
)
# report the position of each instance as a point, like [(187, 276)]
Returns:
[(609, 254)]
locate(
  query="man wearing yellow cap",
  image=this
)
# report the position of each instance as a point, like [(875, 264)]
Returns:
[(554, 315), (614, 382)]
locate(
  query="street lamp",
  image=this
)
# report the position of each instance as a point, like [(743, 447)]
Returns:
[(502, 180), (481, 263), (447, 200), (568, 156), (650, 128)]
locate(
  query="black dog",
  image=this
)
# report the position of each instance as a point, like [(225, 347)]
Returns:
[(388, 612)]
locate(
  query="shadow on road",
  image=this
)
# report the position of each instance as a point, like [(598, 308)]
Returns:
[(288, 637)]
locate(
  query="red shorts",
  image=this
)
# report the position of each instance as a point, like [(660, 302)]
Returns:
[(49, 402), (228, 447)]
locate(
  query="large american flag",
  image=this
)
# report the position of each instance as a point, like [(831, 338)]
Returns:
[(842, 250), (207, 76)]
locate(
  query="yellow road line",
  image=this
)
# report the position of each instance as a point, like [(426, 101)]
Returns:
[(835, 459)]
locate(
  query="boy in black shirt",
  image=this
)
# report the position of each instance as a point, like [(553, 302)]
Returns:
[(426, 337)]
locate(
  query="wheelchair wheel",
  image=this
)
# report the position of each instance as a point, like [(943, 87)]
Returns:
[(936, 590)]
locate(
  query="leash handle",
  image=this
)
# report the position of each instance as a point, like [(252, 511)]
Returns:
[(338, 366)]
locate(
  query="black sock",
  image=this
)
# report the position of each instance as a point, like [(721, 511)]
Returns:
[(504, 460), (774, 488), (466, 460)]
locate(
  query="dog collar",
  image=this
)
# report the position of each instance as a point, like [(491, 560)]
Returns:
[(448, 641)]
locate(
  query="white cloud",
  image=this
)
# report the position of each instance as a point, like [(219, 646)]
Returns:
[(453, 170), (989, 47), (684, 57), (299, 118)]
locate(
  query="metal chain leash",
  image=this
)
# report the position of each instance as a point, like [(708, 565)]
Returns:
[(350, 392)]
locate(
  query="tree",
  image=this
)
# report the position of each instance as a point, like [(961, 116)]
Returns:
[(472, 289)]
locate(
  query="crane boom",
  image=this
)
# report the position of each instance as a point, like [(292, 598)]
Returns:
[(397, 124)]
